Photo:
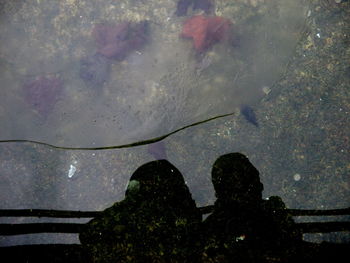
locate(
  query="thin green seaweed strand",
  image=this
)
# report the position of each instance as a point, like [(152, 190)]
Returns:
[(139, 143)]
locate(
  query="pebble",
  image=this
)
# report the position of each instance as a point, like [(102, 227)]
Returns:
[(266, 90), (296, 177)]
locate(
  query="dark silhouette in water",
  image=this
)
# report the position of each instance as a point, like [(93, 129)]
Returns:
[(159, 222), (156, 222), (243, 226), (249, 114)]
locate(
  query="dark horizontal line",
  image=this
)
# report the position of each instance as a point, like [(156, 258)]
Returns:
[(48, 213), (316, 212), (35, 228), (323, 227), (204, 210)]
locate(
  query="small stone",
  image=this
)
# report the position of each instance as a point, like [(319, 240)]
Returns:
[(297, 177), (266, 90)]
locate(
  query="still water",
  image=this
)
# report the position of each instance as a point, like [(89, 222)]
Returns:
[(152, 89), (62, 84)]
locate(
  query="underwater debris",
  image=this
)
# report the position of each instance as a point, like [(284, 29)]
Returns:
[(249, 114), (205, 31), (43, 93), (117, 41)]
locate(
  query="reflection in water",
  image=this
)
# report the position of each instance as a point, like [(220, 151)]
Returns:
[(145, 88)]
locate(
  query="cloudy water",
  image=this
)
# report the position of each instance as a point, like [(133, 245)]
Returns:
[(143, 91)]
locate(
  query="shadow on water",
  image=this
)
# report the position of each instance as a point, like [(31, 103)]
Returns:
[(158, 205)]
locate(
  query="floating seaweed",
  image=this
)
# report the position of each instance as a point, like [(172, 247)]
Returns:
[(249, 114), (117, 41), (42, 93), (94, 70), (183, 5), (205, 31)]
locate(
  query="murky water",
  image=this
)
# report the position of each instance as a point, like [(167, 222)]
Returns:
[(154, 90)]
